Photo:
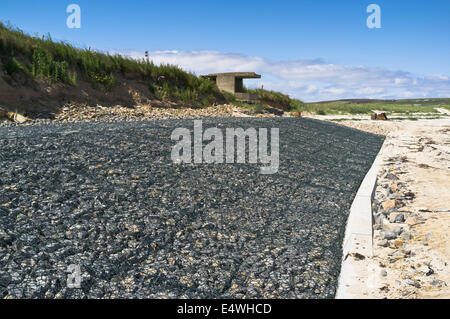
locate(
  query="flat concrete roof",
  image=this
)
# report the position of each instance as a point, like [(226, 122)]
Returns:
[(242, 75)]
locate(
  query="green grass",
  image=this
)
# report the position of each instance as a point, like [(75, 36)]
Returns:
[(416, 118), (13, 66), (45, 67), (368, 106), (342, 120), (43, 59), (277, 99)]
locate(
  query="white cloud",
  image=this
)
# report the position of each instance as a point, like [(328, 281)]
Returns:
[(400, 81), (369, 91), (333, 90), (440, 77), (408, 94), (309, 80), (311, 89)]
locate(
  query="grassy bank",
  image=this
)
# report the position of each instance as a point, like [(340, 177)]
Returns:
[(50, 72), (28, 61), (358, 106), (277, 100)]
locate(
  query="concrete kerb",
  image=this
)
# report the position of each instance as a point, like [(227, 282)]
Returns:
[(358, 239)]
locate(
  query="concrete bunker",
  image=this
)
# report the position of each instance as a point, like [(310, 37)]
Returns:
[(233, 82)]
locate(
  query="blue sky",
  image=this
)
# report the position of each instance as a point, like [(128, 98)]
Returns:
[(314, 50)]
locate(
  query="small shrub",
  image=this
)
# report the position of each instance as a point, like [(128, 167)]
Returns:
[(230, 98), (188, 96), (3, 46), (73, 79), (152, 88), (321, 112), (107, 80), (44, 66), (12, 66), (205, 102), (277, 99), (160, 94)]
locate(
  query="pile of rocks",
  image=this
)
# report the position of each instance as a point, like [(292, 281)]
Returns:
[(391, 220), (109, 199), (380, 117), (400, 249), (85, 113), (6, 116)]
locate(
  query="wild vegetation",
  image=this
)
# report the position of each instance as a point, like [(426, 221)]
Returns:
[(277, 100), (28, 61), (365, 106), (26, 58)]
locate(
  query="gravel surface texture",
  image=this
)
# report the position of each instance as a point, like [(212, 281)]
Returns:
[(108, 198)]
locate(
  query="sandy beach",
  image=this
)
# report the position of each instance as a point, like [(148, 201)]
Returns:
[(411, 211)]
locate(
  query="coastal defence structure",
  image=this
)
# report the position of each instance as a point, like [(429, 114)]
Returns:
[(233, 82)]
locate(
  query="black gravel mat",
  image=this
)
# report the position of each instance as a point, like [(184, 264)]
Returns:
[(106, 197)]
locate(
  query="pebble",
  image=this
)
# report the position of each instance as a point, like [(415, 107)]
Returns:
[(406, 236), (391, 176), (412, 283), (436, 283), (398, 230), (383, 243), (389, 235), (399, 218)]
